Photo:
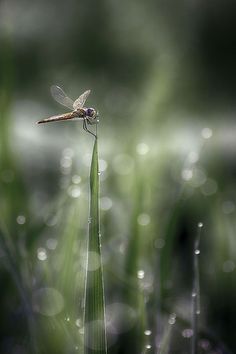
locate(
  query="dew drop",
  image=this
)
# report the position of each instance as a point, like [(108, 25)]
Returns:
[(140, 274), (187, 333), (147, 332), (200, 224), (148, 346), (66, 162), (76, 179), (74, 191), (171, 321), (78, 322), (187, 174), (21, 219), (197, 251), (42, 254)]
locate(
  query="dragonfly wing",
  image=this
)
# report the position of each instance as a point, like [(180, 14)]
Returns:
[(59, 95), (79, 103)]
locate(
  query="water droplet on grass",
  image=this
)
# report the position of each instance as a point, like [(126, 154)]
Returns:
[(66, 162), (147, 332), (187, 333), (42, 254), (172, 319), (76, 179), (148, 346), (140, 274), (74, 191), (78, 322), (187, 174), (21, 219)]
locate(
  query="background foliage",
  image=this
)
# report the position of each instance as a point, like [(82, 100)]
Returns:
[(162, 75)]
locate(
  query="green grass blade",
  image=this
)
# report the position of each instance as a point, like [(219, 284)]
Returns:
[(165, 343), (196, 291), (94, 319)]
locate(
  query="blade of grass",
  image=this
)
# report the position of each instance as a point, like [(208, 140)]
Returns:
[(94, 316), (196, 291), (165, 343)]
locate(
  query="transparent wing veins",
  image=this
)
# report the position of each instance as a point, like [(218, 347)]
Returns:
[(80, 101), (59, 95)]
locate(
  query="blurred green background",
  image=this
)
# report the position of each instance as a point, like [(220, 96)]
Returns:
[(163, 77)]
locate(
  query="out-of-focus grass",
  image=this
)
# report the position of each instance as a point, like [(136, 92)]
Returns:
[(161, 173)]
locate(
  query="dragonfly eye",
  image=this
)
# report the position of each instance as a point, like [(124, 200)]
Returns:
[(90, 112)]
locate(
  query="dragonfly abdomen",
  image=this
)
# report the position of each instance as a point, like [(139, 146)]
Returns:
[(66, 116)]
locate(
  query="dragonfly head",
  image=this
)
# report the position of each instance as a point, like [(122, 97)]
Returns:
[(91, 113)]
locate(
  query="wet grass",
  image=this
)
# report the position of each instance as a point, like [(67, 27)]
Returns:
[(94, 316), (147, 219)]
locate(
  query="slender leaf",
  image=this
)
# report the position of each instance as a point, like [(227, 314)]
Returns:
[(94, 318)]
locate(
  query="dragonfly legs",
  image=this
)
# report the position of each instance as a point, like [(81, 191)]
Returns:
[(85, 127)]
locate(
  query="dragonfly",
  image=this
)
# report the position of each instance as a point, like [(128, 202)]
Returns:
[(89, 116)]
